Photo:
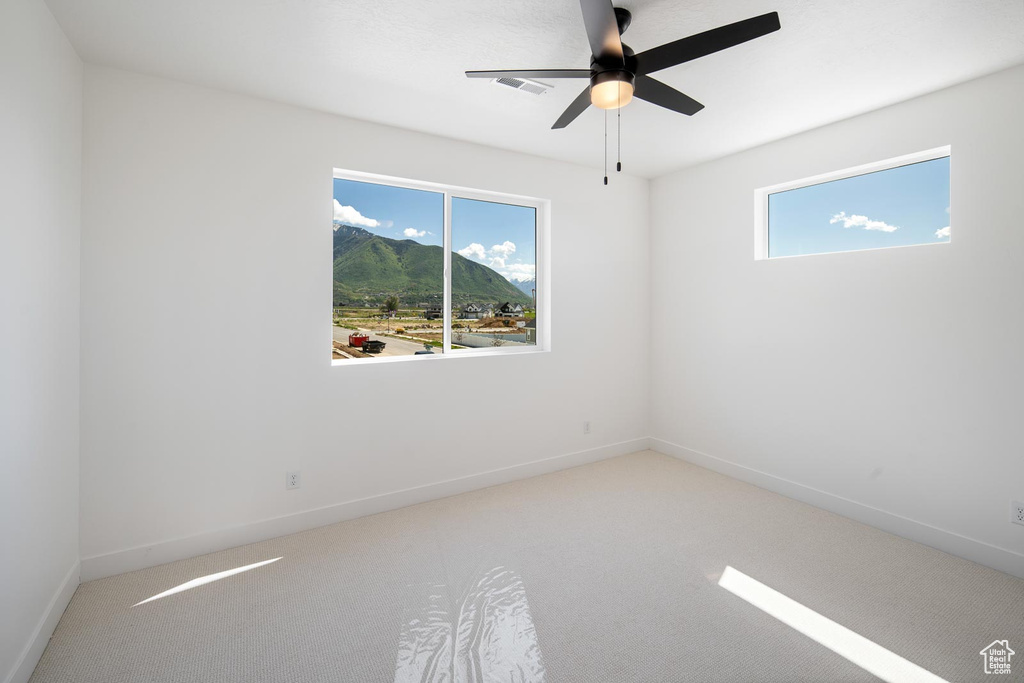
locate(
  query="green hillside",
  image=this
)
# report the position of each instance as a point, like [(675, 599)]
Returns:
[(368, 267)]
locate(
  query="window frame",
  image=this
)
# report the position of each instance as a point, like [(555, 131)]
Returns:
[(761, 194), (542, 209)]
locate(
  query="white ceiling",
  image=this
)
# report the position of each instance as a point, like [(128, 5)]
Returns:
[(400, 62)]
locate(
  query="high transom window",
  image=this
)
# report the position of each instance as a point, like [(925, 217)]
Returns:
[(895, 203)]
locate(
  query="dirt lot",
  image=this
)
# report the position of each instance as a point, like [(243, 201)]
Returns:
[(350, 350), (491, 323), (413, 325)]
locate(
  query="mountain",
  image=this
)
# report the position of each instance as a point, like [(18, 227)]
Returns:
[(526, 286), (368, 267)]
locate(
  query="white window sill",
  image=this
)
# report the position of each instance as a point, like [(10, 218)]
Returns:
[(462, 353)]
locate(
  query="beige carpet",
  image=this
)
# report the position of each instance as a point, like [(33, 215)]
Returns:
[(607, 572)]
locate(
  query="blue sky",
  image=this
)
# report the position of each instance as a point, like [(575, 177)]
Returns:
[(501, 236), (896, 207), (394, 212)]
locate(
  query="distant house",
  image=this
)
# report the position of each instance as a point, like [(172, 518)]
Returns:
[(476, 311), (470, 312), (433, 313), (510, 310)]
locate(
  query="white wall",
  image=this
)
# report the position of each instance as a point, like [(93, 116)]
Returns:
[(206, 294), (40, 198), (884, 384)]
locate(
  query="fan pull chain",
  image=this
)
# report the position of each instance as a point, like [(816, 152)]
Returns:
[(618, 136), (605, 146)]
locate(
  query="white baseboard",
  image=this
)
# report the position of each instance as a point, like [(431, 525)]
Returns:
[(121, 561), (33, 650), (977, 551)]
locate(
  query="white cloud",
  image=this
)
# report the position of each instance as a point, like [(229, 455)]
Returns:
[(474, 250), (413, 232), (521, 271), (349, 216), (516, 272), (504, 250), (498, 258), (942, 233), (857, 221)]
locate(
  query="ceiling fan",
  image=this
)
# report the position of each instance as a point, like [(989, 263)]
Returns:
[(617, 74)]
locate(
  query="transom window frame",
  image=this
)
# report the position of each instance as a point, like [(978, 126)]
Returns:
[(542, 208), (761, 194)]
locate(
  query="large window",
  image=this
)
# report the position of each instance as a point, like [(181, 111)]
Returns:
[(895, 203), (422, 270)]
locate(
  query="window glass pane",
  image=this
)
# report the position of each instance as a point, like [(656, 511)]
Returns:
[(895, 207), (494, 274), (388, 270)]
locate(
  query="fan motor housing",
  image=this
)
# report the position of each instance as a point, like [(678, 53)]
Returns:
[(627, 65), (619, 74)]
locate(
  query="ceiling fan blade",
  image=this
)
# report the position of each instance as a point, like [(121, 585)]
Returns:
[(531, 73), (578, 106), (656, 92), (602, 29), (701, 44)]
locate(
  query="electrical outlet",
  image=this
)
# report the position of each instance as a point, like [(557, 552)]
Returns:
[(1017, 512), (293, 480), (586, 427)]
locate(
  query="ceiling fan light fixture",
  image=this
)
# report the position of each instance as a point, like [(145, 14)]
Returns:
[(611, 89)]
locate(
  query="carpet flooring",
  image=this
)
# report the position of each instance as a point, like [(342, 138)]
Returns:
[(637, 568)]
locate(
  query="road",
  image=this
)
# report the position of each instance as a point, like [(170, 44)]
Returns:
[(393, 347)]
